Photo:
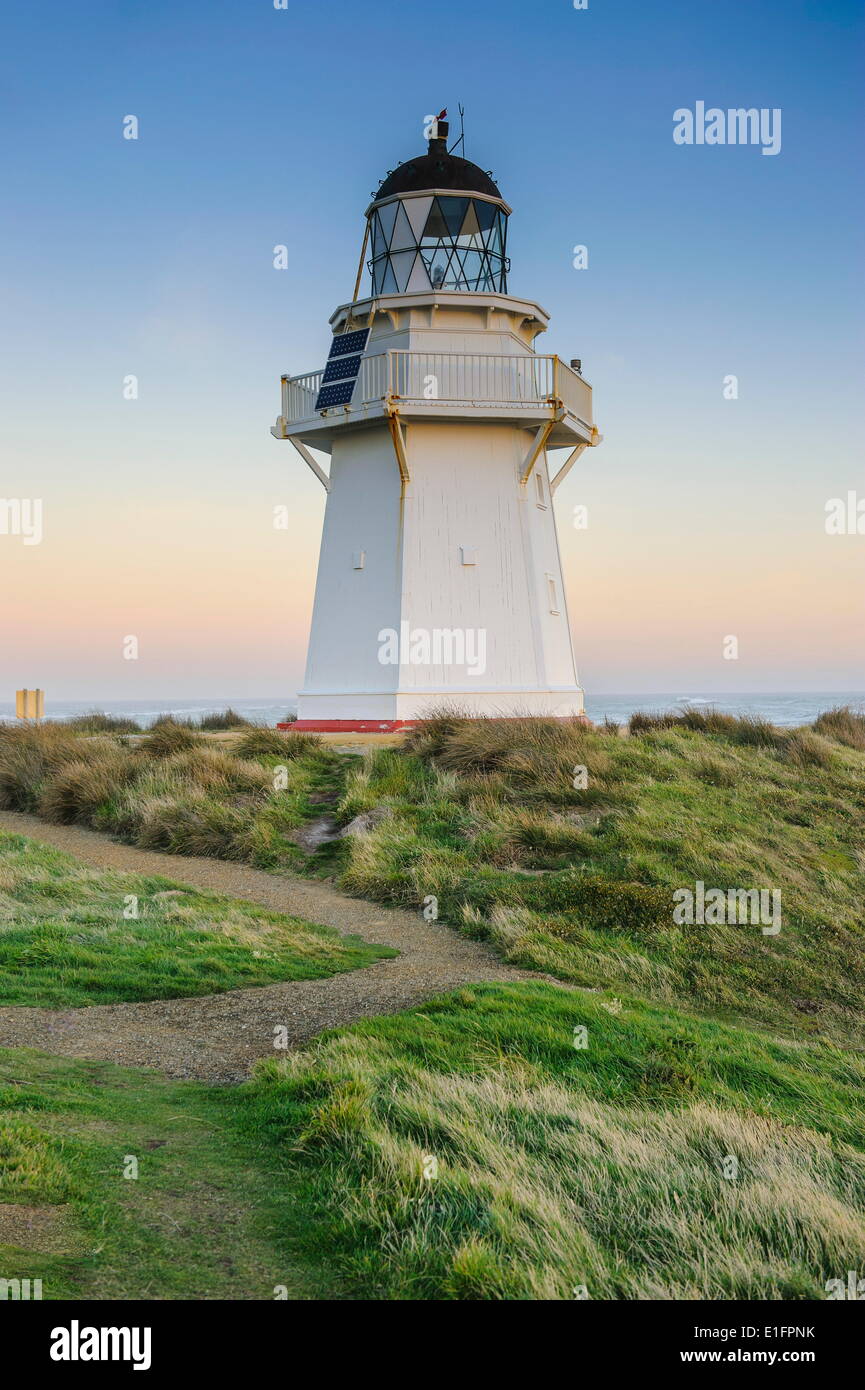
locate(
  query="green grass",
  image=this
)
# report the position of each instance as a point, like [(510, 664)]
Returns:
[(464, 1151), (64, 939)]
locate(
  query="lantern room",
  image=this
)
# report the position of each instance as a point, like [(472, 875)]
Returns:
[(438, 222)]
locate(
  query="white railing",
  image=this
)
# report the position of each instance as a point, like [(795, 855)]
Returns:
[(443, 378), (299, 395), (574, 393), (476, 378)]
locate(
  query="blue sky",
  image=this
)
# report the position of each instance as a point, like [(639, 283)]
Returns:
[(261, 126)]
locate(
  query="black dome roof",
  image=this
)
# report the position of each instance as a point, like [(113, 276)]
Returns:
[(437, 169)]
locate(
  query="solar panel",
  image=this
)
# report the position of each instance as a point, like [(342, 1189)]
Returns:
[(345, 343), (342, 367), (340, 394)]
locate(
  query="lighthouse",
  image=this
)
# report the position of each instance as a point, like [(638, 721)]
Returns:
[(439, 579)]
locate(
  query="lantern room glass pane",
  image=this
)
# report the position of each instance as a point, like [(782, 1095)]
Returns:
[(386, 216), (453, 211)]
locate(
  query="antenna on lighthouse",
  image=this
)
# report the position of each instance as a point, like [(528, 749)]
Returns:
[(462, 139)]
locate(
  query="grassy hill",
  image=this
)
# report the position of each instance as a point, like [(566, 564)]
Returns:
[(684, 1119)]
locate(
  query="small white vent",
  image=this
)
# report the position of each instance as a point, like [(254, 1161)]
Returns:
[(358, 559), (469, 554), (552, 594)]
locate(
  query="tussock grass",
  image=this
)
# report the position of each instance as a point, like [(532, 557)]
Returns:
[(844, 725), (172, 789), (224, 719), (28, 755), (173, 721), (214, 769), (806, 749), (167, 737), (78, 788), (97, 722), (196, 825), (260, 743), (747, 729)]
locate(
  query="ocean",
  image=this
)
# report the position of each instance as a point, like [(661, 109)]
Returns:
[(784, 708)]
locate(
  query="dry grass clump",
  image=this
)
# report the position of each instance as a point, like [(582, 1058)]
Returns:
[(96, 722), (172, 789), (198, 825), (216, 770), (844, 725), (803, 748), (264, 743), (167, 737), (428, 737), (540, 752), (747, 730), (197, 801), (28, 754), (224, 719), (75, 791)]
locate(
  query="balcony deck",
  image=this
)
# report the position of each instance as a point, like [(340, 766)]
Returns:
[(435, 385)]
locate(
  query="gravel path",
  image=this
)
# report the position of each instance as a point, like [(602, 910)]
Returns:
[(218, 1037)]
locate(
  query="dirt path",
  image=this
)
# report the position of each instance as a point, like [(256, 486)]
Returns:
[(218, 1037)]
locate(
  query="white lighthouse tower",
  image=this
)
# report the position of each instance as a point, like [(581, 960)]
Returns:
[(439, 579)]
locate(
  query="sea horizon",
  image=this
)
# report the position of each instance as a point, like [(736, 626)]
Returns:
[(784, 708)]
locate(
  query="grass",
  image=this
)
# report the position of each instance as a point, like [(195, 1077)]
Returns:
[(561, 845), (578, 880), (175, 790), (466, 1150), (557, 1167), (96, 722), (206, 1218), (67, 939), (844, 725)]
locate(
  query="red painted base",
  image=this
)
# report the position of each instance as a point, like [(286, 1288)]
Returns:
[(347, 726), (381, 726)]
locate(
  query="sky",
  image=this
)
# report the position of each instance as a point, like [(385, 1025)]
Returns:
[(260, 127)]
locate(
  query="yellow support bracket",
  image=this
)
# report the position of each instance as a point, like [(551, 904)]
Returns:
[(540, 440), (398, 442)]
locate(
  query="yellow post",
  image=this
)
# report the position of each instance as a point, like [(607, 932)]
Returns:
[(30, 704)]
